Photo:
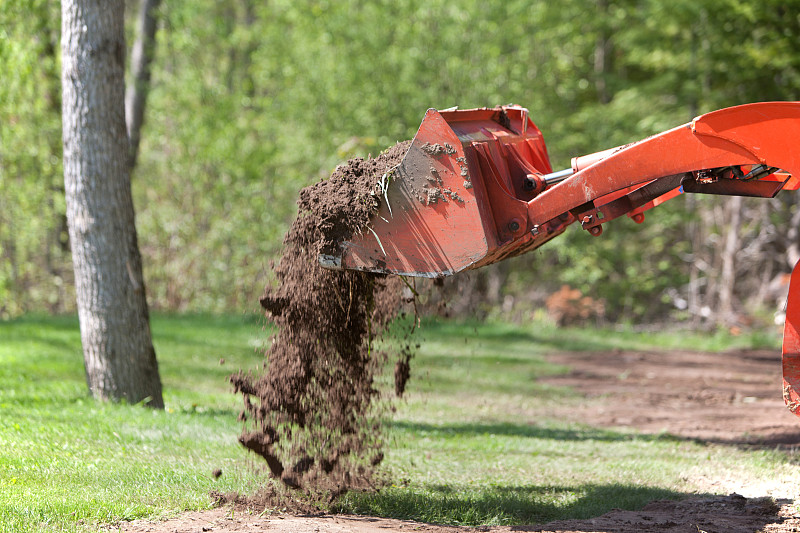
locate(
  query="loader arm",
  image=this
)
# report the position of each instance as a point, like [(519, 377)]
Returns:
[(762, 134), (477, 187)]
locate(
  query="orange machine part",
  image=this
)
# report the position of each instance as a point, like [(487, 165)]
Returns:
[(473, 188), (476, 187), (457, 197), (791, 345), (751, 134)]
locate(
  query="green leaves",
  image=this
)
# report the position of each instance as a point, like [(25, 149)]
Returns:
[(251, 101), (34, 265)]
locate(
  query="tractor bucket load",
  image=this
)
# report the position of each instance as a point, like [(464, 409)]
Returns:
[(476, 187)]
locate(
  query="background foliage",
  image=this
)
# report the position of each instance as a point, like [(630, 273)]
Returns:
[(251, 101)]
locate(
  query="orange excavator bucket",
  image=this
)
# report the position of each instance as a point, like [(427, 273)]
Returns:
[(476, 186), (445, 206)]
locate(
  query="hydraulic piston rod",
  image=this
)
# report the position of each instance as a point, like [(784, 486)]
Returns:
[(557, 177)]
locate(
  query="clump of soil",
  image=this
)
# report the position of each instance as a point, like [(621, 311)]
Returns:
[(267, 497), (312, 414)]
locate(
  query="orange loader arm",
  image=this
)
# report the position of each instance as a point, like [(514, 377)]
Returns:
[(476, 187)]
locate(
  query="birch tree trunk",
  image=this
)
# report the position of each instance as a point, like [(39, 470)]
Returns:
[(141, 59), (602, 54), (730, 249), (115, 329)]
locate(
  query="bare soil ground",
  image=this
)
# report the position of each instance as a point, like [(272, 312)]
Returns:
[(732, 398)]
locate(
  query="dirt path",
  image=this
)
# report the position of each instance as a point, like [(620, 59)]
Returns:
[(732, 398)]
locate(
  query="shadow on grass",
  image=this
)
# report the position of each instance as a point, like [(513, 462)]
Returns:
[(61, 333), (503, 504), (45, 322), (528, 431), (786, 441), (503, 334)]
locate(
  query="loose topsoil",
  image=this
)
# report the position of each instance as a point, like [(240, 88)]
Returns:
[(312, 414)]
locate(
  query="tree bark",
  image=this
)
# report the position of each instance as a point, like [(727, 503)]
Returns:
[(142, 55), (115, 329), (602, 54), (729, 251)]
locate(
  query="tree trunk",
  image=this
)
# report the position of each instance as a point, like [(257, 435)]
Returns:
[(732, 244), (141, 58), (115, 329), (602, 54)]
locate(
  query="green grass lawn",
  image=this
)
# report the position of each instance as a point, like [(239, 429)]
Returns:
[(467, 445), (66, 460)]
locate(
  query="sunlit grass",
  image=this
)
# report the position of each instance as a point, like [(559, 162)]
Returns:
[(470, 443), (68, 461)]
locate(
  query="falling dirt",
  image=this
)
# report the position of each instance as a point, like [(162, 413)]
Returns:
[(312, 414)]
